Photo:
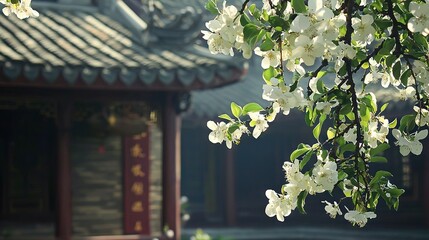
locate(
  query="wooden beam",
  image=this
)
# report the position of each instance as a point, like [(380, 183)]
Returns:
[(64, 206), (171, 166)]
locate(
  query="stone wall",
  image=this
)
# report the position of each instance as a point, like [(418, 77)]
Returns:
[(96, 185)]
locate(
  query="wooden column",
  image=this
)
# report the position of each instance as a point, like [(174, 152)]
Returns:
[(64, 206), (171, 166), (231, 213)]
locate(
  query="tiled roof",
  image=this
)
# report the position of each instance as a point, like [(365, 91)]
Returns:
[(85, 48)]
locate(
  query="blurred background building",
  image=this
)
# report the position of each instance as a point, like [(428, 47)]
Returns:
[(90, 103)]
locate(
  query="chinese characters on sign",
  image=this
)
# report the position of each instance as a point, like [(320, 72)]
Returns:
[(136, 184)]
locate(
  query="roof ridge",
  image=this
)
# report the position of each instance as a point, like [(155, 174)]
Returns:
[(64, 6)]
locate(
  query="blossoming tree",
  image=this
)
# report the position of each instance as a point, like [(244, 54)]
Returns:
[(349, 45)]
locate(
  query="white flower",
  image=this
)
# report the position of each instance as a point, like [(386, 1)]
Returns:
[(319, 11), (278, 206), (406, 93), (363, 29), (8, 7), (332, 209), (422, 117), (307, 49), (409, 143), (351, 135), (270, 58), (225, 30), (293, 175), (325, 175), (184, 199), (300, 23), (25, 10), (420, 21), (420, 71), (373, 134), (359, 218), (259, 123), (325, 107), (218, 131)]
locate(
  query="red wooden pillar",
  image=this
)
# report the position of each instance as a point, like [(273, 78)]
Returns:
[(64, 206), (171, 166), (231, 213)]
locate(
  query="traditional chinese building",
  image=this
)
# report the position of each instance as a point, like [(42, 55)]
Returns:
[(90, 103), (227, 187)]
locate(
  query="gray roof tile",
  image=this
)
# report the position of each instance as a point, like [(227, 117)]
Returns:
[(65, 46)]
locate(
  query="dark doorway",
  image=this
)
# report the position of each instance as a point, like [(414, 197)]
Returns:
[(27, 164)]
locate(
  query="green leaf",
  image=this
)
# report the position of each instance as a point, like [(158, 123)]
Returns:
[(318, 128), (407, 123), (244, 19), (236, 110), (384, 107), (421, 41), (299, 6), (268, 74), (379, 149), (252, 34), (378, 159), (405, 76), (341, 175), (267, 45), (390, 60), (393, 123), (330, 133), (379, 175), (211, 6), (225, 116), (233, 128), (349, 147), (387, 47), (321, 74), (395, 192), (396, 70), (305, 159), (298, 152), (252, 107), (301, 201), (278, 22)]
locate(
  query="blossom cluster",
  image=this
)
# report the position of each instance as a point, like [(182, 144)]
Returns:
[(355, 44), (21, 9), (226, 33)]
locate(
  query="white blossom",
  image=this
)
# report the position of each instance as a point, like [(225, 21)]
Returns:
[(332, 209), (359, 218), (258, 122), (326, 175), (422, 117), (270, 58), (307, 49), (409, 143), (363, 30), (279, 206), (218, 131), (420, 21)]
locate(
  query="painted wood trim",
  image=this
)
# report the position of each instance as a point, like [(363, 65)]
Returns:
[(171, 166), (64, 195)]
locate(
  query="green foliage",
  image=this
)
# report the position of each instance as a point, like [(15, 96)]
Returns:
[(211, 6)]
